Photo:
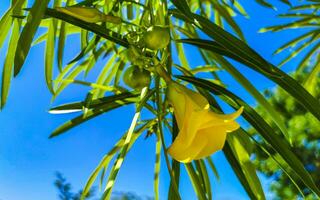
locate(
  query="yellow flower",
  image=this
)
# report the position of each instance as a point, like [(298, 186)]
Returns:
[(202, 132), (88, 14)]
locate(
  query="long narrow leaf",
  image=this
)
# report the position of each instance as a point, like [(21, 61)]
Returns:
[(34, 18), (90, 114), (8, 64)]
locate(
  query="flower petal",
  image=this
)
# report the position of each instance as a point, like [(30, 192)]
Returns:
[(221, 119), (192, 123), (231, 126), (185, 154), (195, 97), (229, 117), (216, 137)]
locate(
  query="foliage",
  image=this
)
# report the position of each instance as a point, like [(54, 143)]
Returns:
[(306, 45), (65, 189), (301, 125), (200, 24), (304, 130)]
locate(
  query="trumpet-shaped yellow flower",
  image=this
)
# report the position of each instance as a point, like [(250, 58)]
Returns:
[(88, 14), (202, 132)]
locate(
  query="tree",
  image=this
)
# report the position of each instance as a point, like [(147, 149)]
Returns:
[(151, 36), (304, 130), (65, 189)]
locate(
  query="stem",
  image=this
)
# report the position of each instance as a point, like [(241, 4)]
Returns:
[(163, 74), (125, 149), (160, 132)]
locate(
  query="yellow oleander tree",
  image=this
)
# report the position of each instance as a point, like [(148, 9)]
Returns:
[(141, 44)]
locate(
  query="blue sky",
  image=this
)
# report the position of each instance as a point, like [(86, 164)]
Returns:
[(28, 159)]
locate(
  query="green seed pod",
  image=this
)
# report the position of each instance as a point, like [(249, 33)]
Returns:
[(136, 77), (156, 38), (88, 14)]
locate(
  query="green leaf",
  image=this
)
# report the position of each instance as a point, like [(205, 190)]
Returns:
[(203, 174), (8, 64), (49, 56), (70, 73), (234, 163), (104, 74), (60, 85), (182, 5), (286, 2), (99, 107), (265, 4), (180, 50), (195, 181), (34, 18), (104, 163), (306, 7), (85, 51), (305, 22), (62, 39), (7, 19), (175, 165), (78, 106), (157, 169), (5, 25), (310, 80), (296, 40), (295, 52), (226, 16), (126, 146), (71, 30), (239, 7), (61, 42), (278, 160), (213, 168), (240, 143), (227, 43), (308, 56)]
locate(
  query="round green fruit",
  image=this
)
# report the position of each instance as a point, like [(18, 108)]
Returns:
[(156, 37), (136, 77)]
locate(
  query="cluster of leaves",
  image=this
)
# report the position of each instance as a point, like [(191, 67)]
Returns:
[(304, 130), (128, 196), (307, 44), (117, 44)]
